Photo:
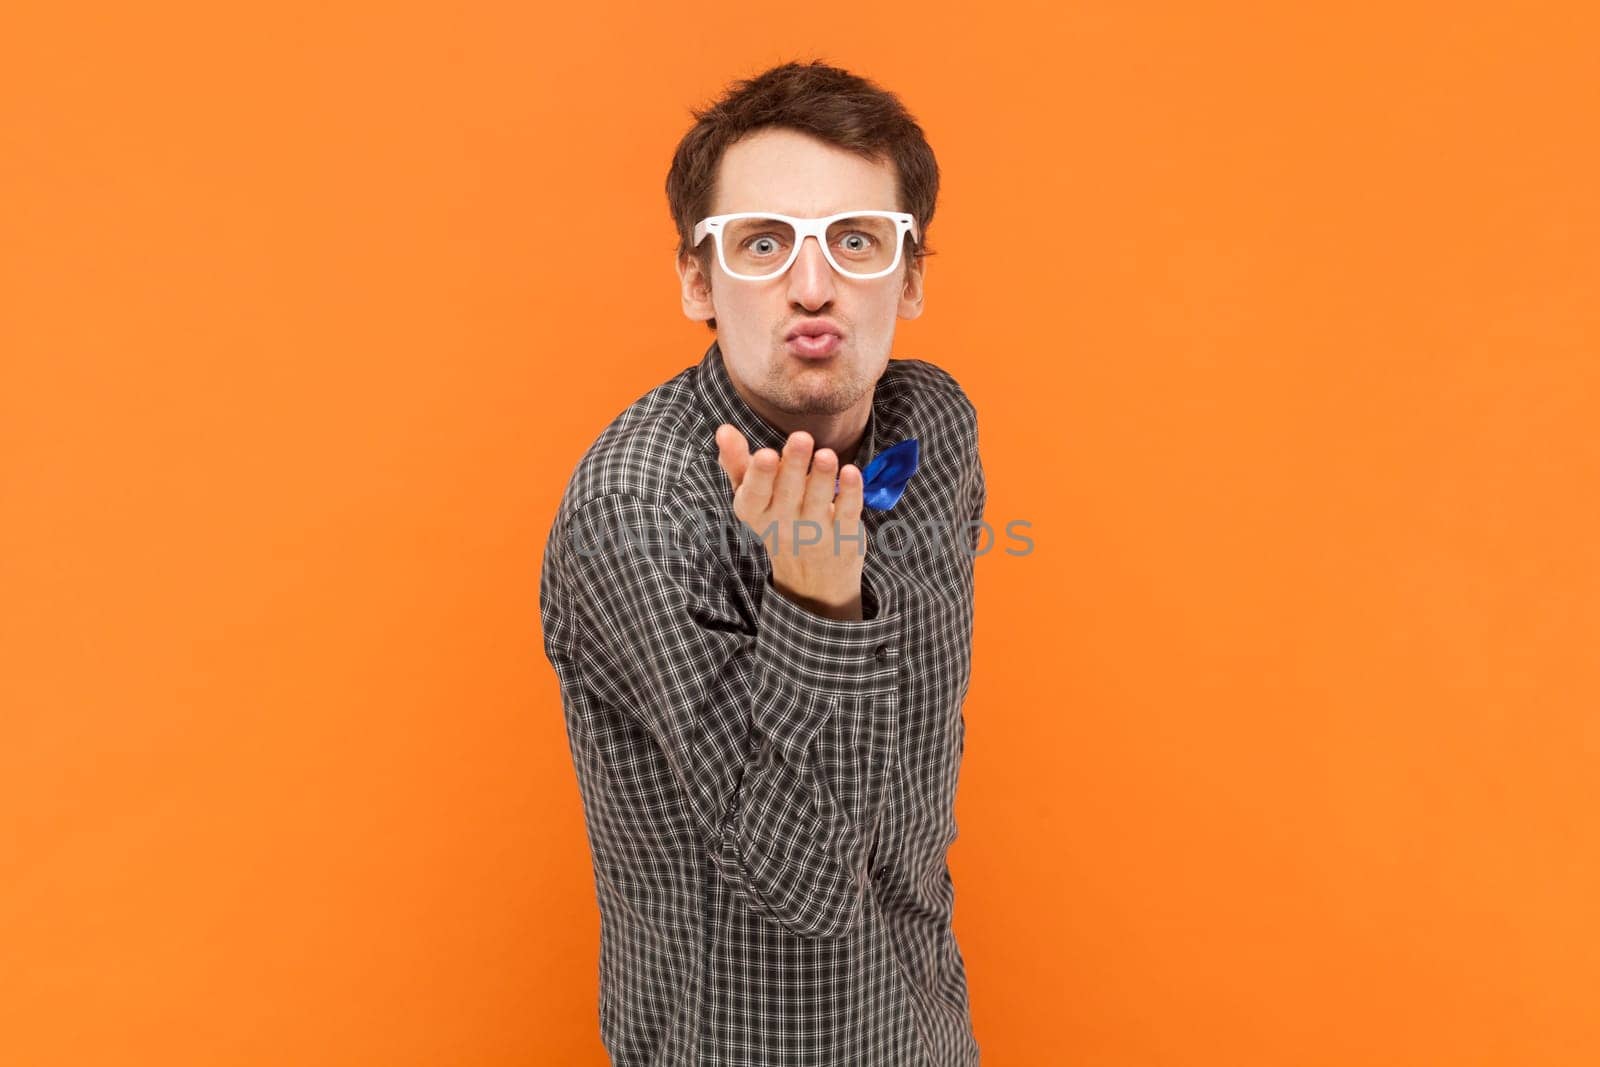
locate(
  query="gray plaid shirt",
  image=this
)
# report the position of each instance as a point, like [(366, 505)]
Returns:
[(768, 793)]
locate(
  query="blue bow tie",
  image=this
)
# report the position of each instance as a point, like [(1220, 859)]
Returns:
[(886, 476)]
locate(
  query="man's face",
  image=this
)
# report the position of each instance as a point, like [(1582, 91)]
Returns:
[(791, 173)]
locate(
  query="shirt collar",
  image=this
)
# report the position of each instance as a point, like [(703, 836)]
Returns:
[(723, 403)]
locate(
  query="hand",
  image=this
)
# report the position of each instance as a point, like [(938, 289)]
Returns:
[(823, 575)]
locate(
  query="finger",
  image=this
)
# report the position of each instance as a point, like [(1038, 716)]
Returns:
[(791, 481), (754, 495), (733, 452), (847, 505), (819, 485)]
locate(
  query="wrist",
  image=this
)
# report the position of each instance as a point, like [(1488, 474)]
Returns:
[(844, 609)]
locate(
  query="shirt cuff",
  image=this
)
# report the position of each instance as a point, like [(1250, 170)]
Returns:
[(834, 654), (812, 665)]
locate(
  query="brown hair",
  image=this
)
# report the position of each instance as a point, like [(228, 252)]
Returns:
[(814, 98)]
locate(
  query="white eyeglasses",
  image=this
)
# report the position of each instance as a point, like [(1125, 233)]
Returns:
[(757, 245)]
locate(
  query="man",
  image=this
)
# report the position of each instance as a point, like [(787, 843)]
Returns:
[(767, 731)]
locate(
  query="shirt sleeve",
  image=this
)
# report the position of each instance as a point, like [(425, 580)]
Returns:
[(979, 499), (977, 491), (779, 738)]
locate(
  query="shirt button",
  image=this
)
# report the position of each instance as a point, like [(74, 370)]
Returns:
[(884, 652)]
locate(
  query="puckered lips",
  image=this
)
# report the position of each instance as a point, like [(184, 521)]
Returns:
[(815, 338)]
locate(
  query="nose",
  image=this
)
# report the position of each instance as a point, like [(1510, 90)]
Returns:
[(811, 278)]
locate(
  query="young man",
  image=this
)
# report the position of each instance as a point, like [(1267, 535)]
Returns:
[(763, 681)]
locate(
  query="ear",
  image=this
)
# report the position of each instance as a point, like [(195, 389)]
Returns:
[(696, 287), (911, 289)]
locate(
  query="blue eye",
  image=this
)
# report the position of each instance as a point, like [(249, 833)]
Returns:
[(763, 244)]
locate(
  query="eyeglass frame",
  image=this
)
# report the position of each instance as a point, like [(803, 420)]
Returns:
[(904, 221)]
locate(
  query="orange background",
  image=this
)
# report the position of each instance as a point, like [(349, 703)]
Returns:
[(1282, 327)]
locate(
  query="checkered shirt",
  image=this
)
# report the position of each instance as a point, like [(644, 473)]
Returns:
[(768, 793)]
